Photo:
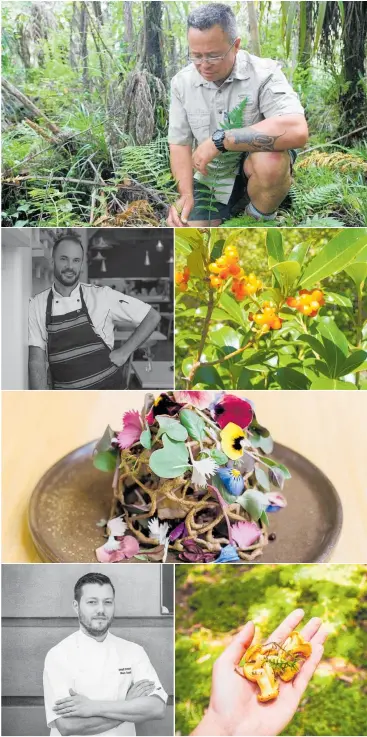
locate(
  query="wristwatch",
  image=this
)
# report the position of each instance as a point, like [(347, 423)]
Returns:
[(218, 140)]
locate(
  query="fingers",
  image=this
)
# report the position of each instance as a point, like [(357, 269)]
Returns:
[(64, 711), (311, 628), (287, 626), (186, 212), (240, 642), (303, 678), (67, 700), (173, 218)]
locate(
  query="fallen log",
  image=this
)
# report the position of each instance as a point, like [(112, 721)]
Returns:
[(29, 104)]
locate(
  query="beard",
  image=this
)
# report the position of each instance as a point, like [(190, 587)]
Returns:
[(67, 277), (96, 625)]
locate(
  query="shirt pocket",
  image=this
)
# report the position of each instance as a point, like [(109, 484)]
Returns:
[(199, 124)]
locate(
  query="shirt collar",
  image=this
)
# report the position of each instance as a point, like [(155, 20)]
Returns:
[(87, 640), (57, 294), (239, 71)]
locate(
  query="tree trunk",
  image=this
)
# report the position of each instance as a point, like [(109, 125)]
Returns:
[(128, 27), (172, 48), (353, 101), (152, 56), (253, 28), (306, 51), (83, 30)]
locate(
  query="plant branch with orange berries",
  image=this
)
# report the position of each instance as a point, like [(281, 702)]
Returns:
[(295, 341)]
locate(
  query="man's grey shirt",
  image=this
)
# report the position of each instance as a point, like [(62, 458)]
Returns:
[(199, 107)]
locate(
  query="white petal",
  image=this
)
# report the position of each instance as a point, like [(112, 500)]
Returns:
[(117, 526), (112, 544)]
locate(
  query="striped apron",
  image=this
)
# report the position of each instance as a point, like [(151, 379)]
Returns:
[(78, 357)]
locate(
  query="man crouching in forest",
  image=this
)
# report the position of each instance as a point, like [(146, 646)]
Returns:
[(245, 119)]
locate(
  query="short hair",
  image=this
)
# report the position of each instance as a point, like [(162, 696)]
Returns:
[(68, 236), (93, 577), (214, 14)]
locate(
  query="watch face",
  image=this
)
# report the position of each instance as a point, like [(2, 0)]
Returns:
[(218, 136)]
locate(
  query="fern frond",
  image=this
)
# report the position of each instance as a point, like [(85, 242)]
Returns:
[(337, 161), (319, 221)]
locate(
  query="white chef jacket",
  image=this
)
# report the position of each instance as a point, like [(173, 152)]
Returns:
[(106, 307), (102, 671)]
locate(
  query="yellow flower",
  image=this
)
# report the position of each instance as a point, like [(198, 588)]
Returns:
[(232, 441)]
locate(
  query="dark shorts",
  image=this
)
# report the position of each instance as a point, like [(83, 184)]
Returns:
[(203, 210)]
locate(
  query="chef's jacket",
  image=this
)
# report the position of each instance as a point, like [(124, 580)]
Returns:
[(102, 671), (105, 306)]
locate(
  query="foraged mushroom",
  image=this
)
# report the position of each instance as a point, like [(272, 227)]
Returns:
[(264, 662)]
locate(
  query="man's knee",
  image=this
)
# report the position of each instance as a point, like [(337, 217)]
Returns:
[(271, 168)]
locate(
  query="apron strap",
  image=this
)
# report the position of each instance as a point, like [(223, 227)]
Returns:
[(49, 308), (84, 307)]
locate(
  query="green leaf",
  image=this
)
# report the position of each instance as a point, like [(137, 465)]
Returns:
[(209, 376), (105, 442), (187, 239), (338, 253), (298, 253), (105, 461), (264, 518), (335, 344), (354, 361), (172, 428), (187, 365), (170, 461), (254, 502), (218, 456), (290, 378), (225, 336), (262, 479), (193, 423), (287, 273), (274, 245), (229, 305), (341, 300), (357, 272), (217, 249), (316, 345), (324, 383), (195, 264), (321, 10), (274, 464), (266, 444), (244, 379), (146, 439), (232, 240)]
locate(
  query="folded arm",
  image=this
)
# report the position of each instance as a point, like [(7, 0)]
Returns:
[(136, 710), (273, 134), (85, 725)]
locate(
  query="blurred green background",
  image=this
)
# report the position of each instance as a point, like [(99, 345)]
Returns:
[(214, 601)]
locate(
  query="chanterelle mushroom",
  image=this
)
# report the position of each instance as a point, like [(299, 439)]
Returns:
[(264, 662)]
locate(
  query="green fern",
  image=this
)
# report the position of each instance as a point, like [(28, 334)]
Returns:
[(149, 165)]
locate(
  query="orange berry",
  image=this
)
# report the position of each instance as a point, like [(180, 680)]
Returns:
[(306, 299), (214, 268), (259, 318), (291, 302), (304, 291), (251, 289), (276, 323), (313, 314), (186, 272), (179, 278), (221, 262), (231, 251), (215, 281), (234, 269), (315, 305), (317, 295), (306, 309), (183, 287)]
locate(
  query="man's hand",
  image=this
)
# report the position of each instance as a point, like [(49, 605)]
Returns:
[(180, 211), (141, 688), (75, 705), (234, 708), (118, 357), (203, 154)]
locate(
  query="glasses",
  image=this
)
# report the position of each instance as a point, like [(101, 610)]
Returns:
[(209, 59)]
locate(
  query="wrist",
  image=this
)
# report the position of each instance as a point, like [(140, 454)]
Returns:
[(211, 725)]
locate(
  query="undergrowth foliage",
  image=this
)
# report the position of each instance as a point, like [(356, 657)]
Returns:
[(236, 330)]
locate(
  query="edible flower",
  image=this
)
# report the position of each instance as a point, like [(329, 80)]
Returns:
[(230, 408), (201, 400), (231, 479), (128, 547), (163, 405), (193, 553), (228, 554), (233, 441)]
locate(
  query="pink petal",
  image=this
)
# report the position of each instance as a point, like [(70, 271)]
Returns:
[(201, 400), (245, 534), (276, 499), (116, 526), (129, 546), (131, 431), (233, 409)]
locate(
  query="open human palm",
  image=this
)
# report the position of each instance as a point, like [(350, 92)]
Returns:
[(234, 708)]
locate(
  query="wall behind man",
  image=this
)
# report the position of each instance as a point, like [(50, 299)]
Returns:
[(37, 614)]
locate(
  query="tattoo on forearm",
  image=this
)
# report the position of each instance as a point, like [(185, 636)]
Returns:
[(252, 138)]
